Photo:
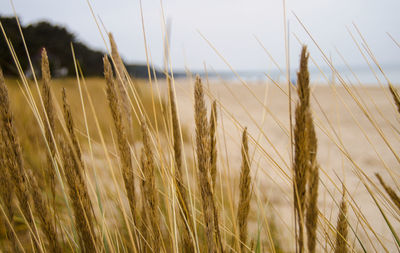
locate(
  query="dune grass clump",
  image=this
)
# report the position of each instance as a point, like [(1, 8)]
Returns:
[(75, 175), (42, 208), (113, 171), (16, 167), (245, 193), (392, 194), (342, 227), (150, 215), (49, 125), (305, 165), (181, 191), (6, 191), (123, 145), (213, 143), (210, 213)]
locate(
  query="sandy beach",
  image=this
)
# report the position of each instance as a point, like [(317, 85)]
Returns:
[(351, 149)]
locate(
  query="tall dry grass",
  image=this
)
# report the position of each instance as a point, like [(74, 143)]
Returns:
[(69, 182), (342, 227), (15, 161), (181, 191), (245, 193)]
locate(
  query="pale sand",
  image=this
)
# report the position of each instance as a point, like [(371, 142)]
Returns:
[(357, 137)]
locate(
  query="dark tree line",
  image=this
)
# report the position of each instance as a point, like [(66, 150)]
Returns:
[(57, 41)]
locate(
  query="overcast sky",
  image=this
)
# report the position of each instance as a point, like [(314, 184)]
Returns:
[(230, 25)]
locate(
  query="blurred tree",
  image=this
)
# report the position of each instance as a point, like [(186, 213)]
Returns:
[(56, 40)]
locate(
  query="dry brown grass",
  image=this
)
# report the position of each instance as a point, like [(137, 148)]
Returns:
[(16, 167), (6, 191), (150, 193), (122, 83), (203, 164), (392, 194), (49, 125), (181, 192), (396, 96), (42, 208), (245, 193), (74, 172), (342, 227), (213, 143), (301, 164), (123, 145), (76, 179)]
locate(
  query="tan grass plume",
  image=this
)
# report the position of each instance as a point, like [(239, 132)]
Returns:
[(75, 175), (16, 168), (301, 146), (6, 193), (44, 215), (181, 192), (49, 124), (123, 145), (392, 194), (122, 81), (396, 96), (342, 227), (213, 143), (150, 193), (245, 194), (313, 184), (203, 164)]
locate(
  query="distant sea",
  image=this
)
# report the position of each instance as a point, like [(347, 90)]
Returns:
[(363, 75)]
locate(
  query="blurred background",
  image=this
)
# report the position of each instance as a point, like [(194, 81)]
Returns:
[(248, 34)]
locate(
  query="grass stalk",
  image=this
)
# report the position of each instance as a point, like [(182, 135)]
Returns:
[(342, 227), (49, 125), (213, 143), (122, 82), (245, 194), (6, 194), (75, 175), (123, 145), (44, 215), (203, 165), (301, 146), (312, 190), (392, 194), (16, 168), (150, 193), (182, 195)]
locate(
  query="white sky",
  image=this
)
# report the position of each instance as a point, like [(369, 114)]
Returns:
[(230, 25)]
